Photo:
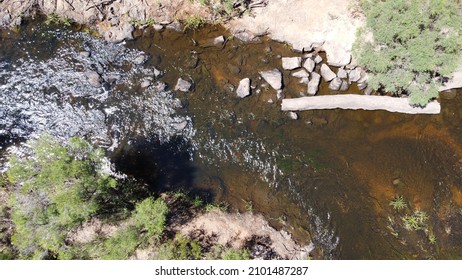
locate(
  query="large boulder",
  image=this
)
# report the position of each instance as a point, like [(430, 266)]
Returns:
[(313, 84), (290, 63), (333, 30), (273, 78), (326, 73), (243, 89), (338, 54)]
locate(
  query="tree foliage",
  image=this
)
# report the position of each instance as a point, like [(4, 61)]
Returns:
[(57, 188), (150, 216), (414, 43)]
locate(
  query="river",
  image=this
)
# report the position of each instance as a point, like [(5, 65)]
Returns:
[(327, 177)]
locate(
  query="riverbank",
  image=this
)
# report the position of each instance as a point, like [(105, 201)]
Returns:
[(306, 25)]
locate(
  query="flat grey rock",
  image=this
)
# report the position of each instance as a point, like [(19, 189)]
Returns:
[(290, 63), (273, 78), (302, 73), (318, 59)]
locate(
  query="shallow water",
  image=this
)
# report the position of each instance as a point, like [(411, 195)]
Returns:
[(327, 177)]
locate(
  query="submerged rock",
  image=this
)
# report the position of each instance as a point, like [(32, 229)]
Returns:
[(290, 63), (145, 83), (140, 59), (293, 115), (93, 78), (243, 89), (273, 78), (247, 37), (219, 40), (157, 73)]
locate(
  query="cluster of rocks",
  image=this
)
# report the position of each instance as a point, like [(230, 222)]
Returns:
[(310, 70)]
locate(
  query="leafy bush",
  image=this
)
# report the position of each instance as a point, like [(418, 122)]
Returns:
[(150, 216), (413, 44), (57, 187), (194, 22), (180, 248), (219, 252), (236, 254), (121, 245)]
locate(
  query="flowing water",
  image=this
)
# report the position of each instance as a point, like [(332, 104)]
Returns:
[(327, 177)]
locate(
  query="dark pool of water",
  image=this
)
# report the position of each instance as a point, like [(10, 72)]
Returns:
[(327, 177)]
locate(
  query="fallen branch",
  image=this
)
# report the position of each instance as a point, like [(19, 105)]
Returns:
[(358, 102)]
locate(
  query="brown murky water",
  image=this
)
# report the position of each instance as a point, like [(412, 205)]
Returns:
[(343, 167), (328, 176)]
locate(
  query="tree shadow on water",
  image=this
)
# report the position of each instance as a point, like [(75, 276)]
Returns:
[(162, 166)]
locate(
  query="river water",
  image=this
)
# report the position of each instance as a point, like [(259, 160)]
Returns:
[(327, 178)]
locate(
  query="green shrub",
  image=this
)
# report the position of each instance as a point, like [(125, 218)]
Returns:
[(398, 203), (219, 252), (414, 43), (180, 248), (121, 245), (56, 188), (236, 254), (150, 216), (194, 22)]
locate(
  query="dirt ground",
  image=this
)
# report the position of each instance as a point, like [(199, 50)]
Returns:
[(236, 229)]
